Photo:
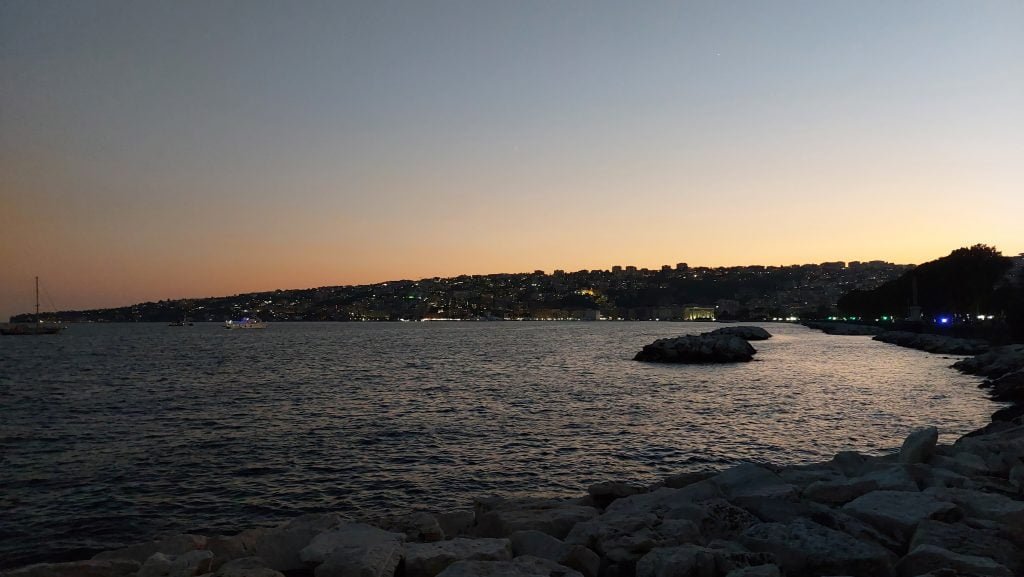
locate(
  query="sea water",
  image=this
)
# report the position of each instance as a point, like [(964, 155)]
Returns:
[(113, 434)]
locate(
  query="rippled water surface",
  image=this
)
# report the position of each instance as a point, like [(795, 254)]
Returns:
[(114, 434)]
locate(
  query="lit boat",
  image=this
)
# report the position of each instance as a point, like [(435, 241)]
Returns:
[(246, 323), (31, 329)]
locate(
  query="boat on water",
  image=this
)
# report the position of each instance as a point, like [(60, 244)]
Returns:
[(182, 323), (245, 323), (36, 327)]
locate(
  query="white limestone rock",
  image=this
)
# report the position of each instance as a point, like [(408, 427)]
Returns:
[(981, 505), (170, 545), (919, 445), (572, 555), (92, 568), (429, 559), (927, 558), (682, 560), (246, 567), (418, 526), (965, 539), (604, 493), (346, 536), (620, 539), (185, 565), (768, 570), (525, 566), (839, 492), (751, 480), (891, 477), (280, 546), (376, 560), (803, 547), (897, 513), (501, 517), (456, 523)]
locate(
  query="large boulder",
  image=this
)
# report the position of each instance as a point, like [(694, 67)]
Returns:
[(965, 539), (839, 491), (525, 566), (456, 522), (346, 536), (803, 547), (769, 570), (981, 505), (662, 501), (280, 546), (622, 539), (717, 558), (919, 445), (496, 517), (429, 559), (189, 564), (927, 558), (891, 476), (684, 560), (706, 348), (377, 560), (545, 546), (418, 526), (602, 494), (170, 545), (749, 333), (753, 481), (246, 567), (897, 513), (92, 568), (230, 547)]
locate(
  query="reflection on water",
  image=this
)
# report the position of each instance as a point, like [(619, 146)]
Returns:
[(115, 433)]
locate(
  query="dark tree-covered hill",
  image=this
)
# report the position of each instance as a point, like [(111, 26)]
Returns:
[(969, 281)]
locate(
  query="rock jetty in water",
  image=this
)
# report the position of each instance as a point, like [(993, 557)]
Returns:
[(940, 344), (749, 333), (994, 363), (843, 329), (924, 510), (695, 349)]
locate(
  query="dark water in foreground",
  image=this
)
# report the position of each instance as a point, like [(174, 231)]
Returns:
[(114, 434)]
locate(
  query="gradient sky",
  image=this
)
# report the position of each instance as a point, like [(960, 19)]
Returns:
[(153, 150)]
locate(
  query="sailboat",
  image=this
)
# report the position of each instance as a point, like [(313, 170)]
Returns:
[(184, 322), (35, 328)]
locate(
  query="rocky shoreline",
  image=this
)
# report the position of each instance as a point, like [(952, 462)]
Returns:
[(940, 344), (926, 509), (843, 329)]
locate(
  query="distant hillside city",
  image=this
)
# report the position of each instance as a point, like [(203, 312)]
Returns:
[(678, 292)]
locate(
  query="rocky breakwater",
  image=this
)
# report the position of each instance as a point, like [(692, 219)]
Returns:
[(940, 344), (924, 510), (725, 345), (746, 332), (843, 329), (1004, 367)]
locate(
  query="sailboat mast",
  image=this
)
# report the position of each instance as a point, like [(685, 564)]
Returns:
[(37, 299)]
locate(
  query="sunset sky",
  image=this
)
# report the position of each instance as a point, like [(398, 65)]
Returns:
[(153, 150)]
